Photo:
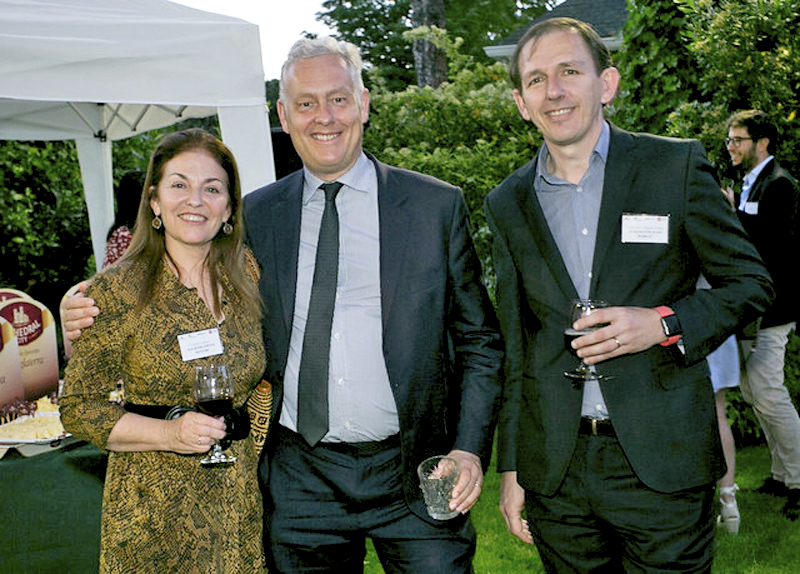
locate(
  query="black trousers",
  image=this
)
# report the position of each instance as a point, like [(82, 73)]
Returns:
[(324, 502), (604, 519)]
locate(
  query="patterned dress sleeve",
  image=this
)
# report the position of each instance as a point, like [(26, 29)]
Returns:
[(97, 361), (252, 266)]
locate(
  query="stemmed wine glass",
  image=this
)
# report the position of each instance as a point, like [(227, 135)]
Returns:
[(582, 308), (213, 395)]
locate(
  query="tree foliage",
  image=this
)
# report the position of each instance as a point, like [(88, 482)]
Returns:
[(745, 55), (377, 26), (748, 56), (683, 74), (658, 70), (483, 23), (44, 231), (467, 132)]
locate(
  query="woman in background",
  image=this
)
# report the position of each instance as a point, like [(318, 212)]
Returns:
[(723, 363), (127, 196), (724, 366)]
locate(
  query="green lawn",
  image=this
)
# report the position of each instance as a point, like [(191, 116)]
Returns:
[(767, 542)]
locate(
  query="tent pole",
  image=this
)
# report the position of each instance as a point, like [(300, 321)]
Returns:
[(94, 156)]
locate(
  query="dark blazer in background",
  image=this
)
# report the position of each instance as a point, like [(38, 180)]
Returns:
[(774, 231), (659, 400), (441, 341)]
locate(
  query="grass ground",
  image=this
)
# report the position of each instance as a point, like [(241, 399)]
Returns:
[(767, 543)]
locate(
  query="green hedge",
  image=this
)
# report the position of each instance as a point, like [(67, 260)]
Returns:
[(467, 132), (44, 229)]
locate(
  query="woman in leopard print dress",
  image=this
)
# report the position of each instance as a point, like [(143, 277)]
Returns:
[(186, 271)]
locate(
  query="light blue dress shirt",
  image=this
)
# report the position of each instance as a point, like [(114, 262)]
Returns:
[(572, 212), (360, 401), (748, 181)]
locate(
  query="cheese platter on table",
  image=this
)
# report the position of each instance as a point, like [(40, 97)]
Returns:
[(32, 427)]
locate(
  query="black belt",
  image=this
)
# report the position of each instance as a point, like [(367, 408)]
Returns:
[(158, 411), (596, 427), (349, 448), (237, 421)]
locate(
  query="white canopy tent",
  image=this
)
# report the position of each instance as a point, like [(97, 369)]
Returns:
[(96, 71)]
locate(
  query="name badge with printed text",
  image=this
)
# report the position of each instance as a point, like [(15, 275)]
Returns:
[(200, 344), (751, 207), (642, 228)]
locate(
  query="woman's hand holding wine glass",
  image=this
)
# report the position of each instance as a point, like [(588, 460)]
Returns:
[(213, 395), (192, 433)]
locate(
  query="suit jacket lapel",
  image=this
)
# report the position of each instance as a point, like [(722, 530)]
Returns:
[(285, 225), (761, 182), (394, 221), (618, 182), (534, 217)]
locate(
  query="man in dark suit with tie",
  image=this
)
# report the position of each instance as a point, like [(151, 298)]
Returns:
[(769, 208), (615, 473), (404, 343)]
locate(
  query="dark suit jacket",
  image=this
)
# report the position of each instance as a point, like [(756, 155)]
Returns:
[(441, 342), (774, 231), (660, 401)]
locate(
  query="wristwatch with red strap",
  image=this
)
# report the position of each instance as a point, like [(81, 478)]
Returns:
[(670, 324)]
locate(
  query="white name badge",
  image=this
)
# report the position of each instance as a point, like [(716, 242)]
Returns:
[(751, 207), (200, 344), (641, 228)]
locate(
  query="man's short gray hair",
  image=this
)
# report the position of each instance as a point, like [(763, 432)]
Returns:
[(324, 46)]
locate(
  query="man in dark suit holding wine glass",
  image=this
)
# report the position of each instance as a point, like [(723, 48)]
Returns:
[(617, 474)]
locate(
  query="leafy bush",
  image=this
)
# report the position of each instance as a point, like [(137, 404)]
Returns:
[(721, 56), (467, 132), (44, 229), (747, 55), (656, 67)]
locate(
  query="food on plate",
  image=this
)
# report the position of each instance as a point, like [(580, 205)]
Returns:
[(32, 421)]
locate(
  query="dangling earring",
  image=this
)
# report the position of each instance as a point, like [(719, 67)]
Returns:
[(227, 229), (156, 223)]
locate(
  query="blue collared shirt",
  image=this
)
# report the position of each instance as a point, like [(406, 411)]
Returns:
[(572, 213), (361, 405), (749, 180)]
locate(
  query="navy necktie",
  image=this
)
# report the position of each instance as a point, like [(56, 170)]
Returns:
[(312, 397)]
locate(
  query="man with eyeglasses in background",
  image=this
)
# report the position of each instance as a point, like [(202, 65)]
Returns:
[(768, 209)]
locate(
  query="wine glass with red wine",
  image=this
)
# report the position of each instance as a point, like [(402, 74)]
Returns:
[(581, 308), (213, 395)]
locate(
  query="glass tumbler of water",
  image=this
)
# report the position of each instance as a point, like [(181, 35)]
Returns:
[(437, 476)]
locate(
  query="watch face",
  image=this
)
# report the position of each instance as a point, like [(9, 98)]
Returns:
[(671, 325)]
